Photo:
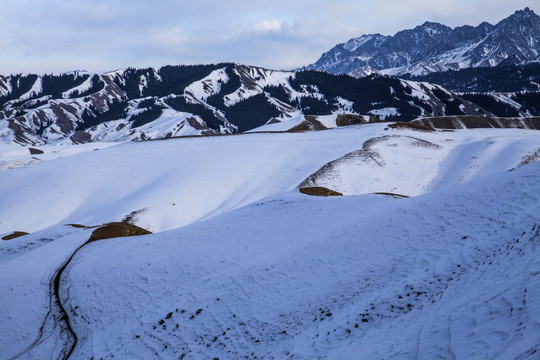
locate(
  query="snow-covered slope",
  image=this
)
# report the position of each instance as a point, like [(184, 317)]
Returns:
[(411, 163), (171, 183), (241, 265)]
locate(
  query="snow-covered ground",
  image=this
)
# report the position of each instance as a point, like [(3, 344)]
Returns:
[(241, 265)]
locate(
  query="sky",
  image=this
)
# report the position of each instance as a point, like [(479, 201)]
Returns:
[(55, 36)]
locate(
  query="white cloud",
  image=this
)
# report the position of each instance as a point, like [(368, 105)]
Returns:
[(175, 36), (268, 25)]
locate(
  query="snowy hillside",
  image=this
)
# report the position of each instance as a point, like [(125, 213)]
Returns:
[(171, 101), (242, 265)]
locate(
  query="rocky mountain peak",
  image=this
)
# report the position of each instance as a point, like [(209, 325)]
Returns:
[(433, 47)]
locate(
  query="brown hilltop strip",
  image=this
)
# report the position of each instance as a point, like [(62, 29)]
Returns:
[(15, 234), (310, 123), (117, 229), (352, 119), (391, 194), (410, 125), (479, 122), (34, 151), (319, 191)]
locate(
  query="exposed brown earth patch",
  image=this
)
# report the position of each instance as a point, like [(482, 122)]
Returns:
[(391, 194), (81, 137), (319, 191), (79, 226), (530, 158), (34, 151), (246, 77), (117, 229), (20, 131), (63, 114), (132, 216), (352, 119), (479, 122), (411, 125), (310, 123), (15, 234), (273, 121), (195, 124)]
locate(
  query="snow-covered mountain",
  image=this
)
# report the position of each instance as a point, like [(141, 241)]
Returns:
[(139, 104), (433, 47), (242, 265)]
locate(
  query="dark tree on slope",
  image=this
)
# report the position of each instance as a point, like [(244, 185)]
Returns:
[(452, 105), (20, 85), (91, 117), (174, 79), (496, 79), (35, 104), (171, 80), (55, 85), (229, 87), (364, 92), (278, 92), (146, 116), (529, 101), (179, 103), (315, 106), (146, 103), (251, 113), (97, 85), (491, 104), (132, 81)]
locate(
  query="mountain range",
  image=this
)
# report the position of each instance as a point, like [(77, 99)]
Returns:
[(150, 103), (433, 47)]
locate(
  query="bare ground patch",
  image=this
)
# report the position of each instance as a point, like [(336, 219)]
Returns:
[(80, 226), (132, 216), (35, 151), (411, 125), (479, 122), (530, 158), (391, 194), (14, 235), (117, 229), (310, 123), (319, 191), (352, 119)]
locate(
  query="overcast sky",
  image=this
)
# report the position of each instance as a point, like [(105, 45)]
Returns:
[(41, 36)]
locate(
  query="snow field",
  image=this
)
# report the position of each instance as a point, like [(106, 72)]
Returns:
[(293, 275), (171, 183), (242, 265)]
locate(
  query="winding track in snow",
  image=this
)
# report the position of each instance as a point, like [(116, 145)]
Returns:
[(57, 313)]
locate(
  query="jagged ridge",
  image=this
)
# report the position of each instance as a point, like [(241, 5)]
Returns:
[(433, 47)]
